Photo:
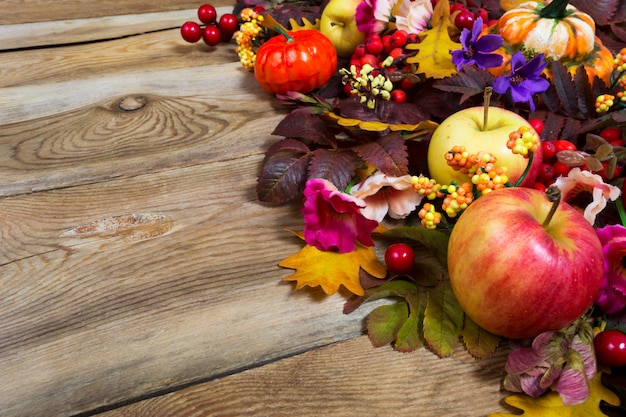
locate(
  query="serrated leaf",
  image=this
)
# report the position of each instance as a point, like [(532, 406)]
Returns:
[(409, 336), (388, 154), (602, 11), (434, 240), (470, 82), (565, 88), (479, 342), (384, 322), (286, 147), (443, 320), (583, 93), (282, 179), (433, 56), (305, 126), (336, 166)]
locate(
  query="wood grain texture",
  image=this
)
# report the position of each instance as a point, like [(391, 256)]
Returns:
[(345, 379)]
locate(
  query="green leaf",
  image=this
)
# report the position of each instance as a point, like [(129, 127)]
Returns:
[(443, 320), (479, 342), (409, 336), (434, 240), (384, 322)]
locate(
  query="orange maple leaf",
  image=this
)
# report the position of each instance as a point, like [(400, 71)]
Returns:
[(330, 270)]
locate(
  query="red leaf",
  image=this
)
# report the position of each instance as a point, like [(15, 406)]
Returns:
[(305, 126), (282, 178), (389, 154), (336, 166)]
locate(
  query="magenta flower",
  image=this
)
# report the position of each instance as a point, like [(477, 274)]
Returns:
[(372, 16), (612, 296), (333, 220)]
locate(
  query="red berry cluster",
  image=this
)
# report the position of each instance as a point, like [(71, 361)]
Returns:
[(214, 31), (552, 168), (377, 50), (464, 16)]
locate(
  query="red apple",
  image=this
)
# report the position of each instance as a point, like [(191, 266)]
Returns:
[(465, 128), (515, 276)]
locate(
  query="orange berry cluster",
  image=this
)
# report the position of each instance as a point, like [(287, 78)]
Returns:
[(425, 186), (523, 141), (430, 218), (620, 60), (248, 36), (457, 198), (604, 102)]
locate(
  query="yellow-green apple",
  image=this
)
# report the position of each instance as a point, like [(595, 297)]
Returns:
[(338, 23), (466, 128), (517, 274)]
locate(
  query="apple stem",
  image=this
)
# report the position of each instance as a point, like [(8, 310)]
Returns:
[(487, 96), (553, 193)]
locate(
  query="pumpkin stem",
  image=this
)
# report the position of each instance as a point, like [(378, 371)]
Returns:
[(487, 96), (553, 194), (280, 29), (554, 10)]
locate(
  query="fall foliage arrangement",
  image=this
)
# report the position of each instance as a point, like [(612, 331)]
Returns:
[(464, 161)]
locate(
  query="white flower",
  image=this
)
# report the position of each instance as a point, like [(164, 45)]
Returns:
[(413, 15)]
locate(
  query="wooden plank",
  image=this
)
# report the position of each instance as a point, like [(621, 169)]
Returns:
[(114, 308), (346, 379)]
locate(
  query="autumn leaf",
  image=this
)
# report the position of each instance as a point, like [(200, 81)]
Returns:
[(433, 57), (384, 322), (443, 320), (409, 336), (551, 405), (479, 342), (330, 270)]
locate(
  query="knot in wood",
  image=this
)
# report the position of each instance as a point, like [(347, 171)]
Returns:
[(132, 103)]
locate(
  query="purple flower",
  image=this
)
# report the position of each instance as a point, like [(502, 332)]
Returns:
[(612, 296), (476, 49), (525, 79), (333, 220)]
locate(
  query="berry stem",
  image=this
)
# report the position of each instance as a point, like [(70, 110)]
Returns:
[(553, 193), (487, 96), (521, 178)]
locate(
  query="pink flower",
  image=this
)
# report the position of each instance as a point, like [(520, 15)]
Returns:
[(332, 219), (612, 296), (413, 15), (387, 195), (580, 183), (372, 16)]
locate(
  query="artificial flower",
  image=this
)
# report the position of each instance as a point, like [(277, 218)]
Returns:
[(373, 16), (333, 220), (582, 183), (612, 296), (562, 361), (387, 195), (412, 15), (525, 79), (477, 49)]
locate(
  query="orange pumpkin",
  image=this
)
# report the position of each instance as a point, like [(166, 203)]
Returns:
[(556, 29)]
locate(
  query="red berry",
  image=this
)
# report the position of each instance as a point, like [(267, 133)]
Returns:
[(464, 20), (396, 53), (548, 151), (537, 124), (546, 173), (373, 44), (611, 134), (398, 96), (191, 32), (387, 44), (399, 258), (563, 145), (456, 6), (560, 169), (211, 35), (610, 346), (359, 51), (228, 24), (207, 13), (539, 186), (399, 38), (369, 59), (482, 13), (258, 9), (620, 142)]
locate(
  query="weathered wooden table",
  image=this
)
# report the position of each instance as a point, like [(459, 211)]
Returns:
[(138, 271)]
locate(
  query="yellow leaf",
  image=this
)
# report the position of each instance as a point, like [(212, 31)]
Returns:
[(507, 5), (550, 404), (434, 58), (423, 126), (330, 270), (306, 24)]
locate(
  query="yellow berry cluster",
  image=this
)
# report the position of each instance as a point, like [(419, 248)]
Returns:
[(489, 180), (367, 83), (430, 218), (425, 186), (604, 102), (457, 198), (523, 141), (620, 60), (249, 36)]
